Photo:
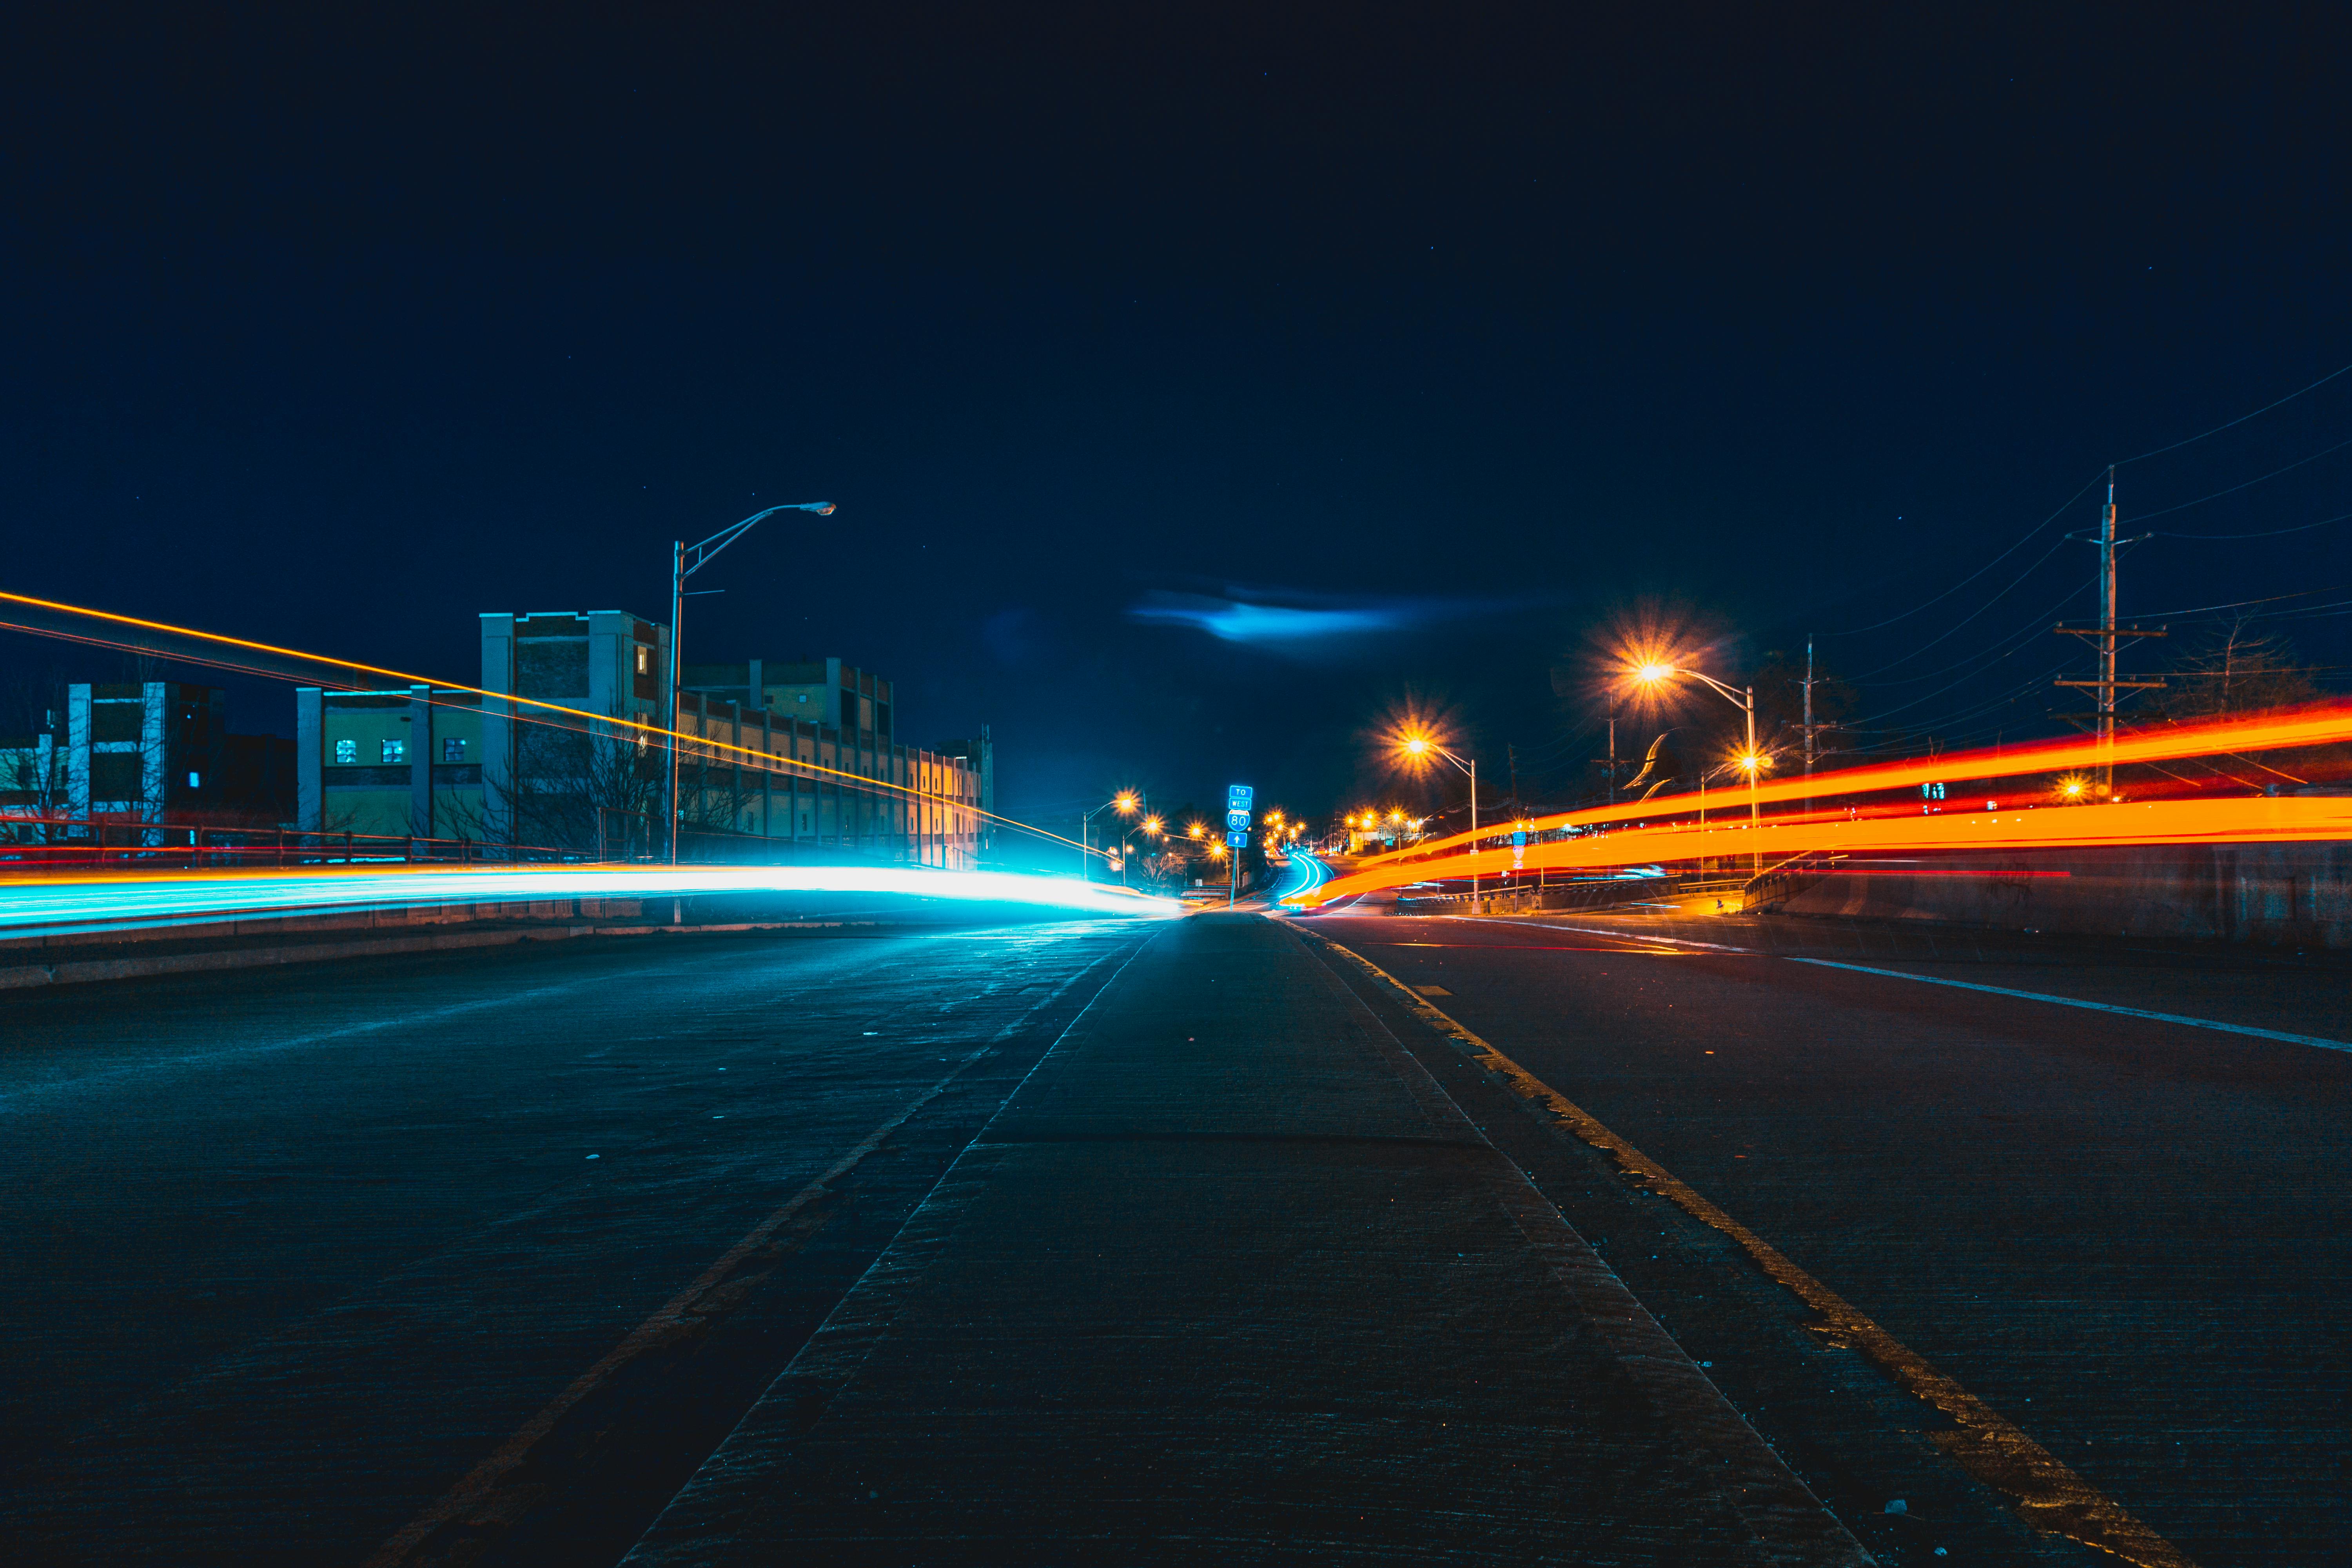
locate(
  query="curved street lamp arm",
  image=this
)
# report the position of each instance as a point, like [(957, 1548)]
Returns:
[(699, 555), (1729, 691)]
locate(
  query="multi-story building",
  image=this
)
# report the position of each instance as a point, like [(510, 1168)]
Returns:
[(801, 751), (153, 751)]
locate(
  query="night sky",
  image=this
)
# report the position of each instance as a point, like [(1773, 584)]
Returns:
[(1198, 389)]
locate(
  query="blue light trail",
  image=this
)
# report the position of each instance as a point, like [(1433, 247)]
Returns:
[(37, 906)]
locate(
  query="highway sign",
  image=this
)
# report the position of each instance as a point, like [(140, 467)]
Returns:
[(1237, 821), (1238, 798), (1238, 840)]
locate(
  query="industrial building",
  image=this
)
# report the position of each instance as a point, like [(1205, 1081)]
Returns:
[(784, 757)]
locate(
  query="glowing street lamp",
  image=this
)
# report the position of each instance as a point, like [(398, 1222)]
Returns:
[(1124, 803), (1751, 760), (1420, 749)]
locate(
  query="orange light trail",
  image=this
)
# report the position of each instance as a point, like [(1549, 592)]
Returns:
[(610, 722), (2270, 732), (2256, 820)]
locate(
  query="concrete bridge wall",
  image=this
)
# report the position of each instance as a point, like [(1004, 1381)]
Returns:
[(2289, 894)]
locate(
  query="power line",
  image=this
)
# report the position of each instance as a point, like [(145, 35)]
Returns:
[(2241, 419), (1980, 610), (2139, 518), (2022, 543), (2236, 603), (2271, 533)]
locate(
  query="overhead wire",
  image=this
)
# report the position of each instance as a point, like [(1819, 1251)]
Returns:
[(2030, 536), (2233, 423), (1980, 610), (2141, 516)]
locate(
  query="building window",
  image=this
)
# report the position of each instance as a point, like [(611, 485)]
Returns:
[(395, 750), (195, 781), (347, 750), (453, 749), (645, 659)]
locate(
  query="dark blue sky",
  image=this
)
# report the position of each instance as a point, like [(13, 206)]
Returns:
[(336, 326)]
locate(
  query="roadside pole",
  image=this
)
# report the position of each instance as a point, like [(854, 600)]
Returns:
[(1238, 811)]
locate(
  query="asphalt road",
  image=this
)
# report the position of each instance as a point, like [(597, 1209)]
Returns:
[(2130, 1237), (291, 1251), (1190, 1241)]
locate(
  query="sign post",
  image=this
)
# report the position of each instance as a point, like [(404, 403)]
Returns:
[(1237, 826)]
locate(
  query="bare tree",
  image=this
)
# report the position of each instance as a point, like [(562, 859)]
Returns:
[(576, 789), (2237, 669)]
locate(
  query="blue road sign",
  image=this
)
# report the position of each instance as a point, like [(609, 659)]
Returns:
[(1238, 840), (1238, 798), (1237, 821), (1519, 841)]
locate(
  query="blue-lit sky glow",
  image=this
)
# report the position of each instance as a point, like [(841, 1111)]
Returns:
[(336, 335)]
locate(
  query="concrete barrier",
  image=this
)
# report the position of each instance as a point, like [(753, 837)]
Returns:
[(2283, 895)]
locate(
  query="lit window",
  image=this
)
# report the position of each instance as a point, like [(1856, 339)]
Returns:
[(453, 749), (347, 750), (195, 781), (395, 750), (645, 659)]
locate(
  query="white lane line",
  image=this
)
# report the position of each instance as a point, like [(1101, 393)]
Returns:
[(2094, 1006), (2279, 1035)]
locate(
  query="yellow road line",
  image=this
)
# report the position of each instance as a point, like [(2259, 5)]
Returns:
[(2049, 1495)]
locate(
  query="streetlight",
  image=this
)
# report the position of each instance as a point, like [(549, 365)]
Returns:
[(1751, 760), (1421, 748), (681, 569), (1124, 803)]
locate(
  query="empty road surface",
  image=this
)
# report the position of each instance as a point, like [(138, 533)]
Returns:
[(1612, 1237)]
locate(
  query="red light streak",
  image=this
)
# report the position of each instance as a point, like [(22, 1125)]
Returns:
[(2269, 733), (2259, 820)]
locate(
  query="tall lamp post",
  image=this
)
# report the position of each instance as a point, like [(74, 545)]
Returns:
[(1421, 748), (685, 561), (1124, 803), (1750, 761)]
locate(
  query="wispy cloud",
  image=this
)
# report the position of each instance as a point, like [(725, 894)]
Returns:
[(1295, 621)]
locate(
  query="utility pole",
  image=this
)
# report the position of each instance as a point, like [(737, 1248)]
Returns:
[(1808, 704), (2109, 636), (1511, 754), (1610, 761)]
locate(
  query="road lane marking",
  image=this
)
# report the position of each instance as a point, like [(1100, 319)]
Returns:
[(829, 1359), (476, 1499), (2049, 1495), (2095, 1006), (2052, 997)]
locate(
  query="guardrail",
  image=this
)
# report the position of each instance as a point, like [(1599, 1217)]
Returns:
[(1771, 890)]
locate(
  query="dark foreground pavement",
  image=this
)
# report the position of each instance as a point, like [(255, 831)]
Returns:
[(1202, 1241), (1230, 1278)]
